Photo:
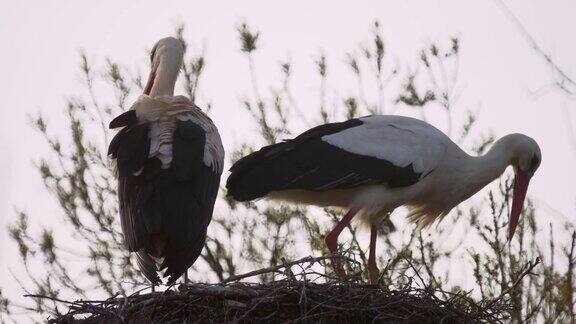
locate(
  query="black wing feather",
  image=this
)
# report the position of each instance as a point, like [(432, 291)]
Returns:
[(188, 155), (307, 162), (197, 194), (147, 266), (130, 148), (173, 206), (128, 118)]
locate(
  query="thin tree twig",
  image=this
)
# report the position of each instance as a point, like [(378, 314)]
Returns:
[(308, 259), (506, 291)]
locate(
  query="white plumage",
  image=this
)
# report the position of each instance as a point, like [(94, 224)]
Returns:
[(163, 113), (399, 140), (372, 165), (169, 160)]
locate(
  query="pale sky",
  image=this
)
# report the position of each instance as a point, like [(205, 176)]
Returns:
[(498, 71)]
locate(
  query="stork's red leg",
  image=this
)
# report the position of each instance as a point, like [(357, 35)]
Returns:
[(373, 271), (331, 241)]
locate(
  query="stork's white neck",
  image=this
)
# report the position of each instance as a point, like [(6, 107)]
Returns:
[(166, 74), (164, 79), (487, 167)]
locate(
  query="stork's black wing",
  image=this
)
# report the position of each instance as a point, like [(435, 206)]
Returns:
[(309, 163), (164, 212)]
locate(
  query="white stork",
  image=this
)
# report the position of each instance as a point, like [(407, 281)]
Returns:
[(374, 164), (168, 159)]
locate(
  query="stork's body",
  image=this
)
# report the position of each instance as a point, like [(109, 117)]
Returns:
[(374, 164), (169, 158)]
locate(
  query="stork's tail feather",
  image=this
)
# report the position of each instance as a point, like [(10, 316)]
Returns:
[(181, 264), (250, 176), (278, 166), (241, 189), (148, 267)]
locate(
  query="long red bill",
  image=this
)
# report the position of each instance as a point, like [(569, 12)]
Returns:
[(150, 83), (520, 187)]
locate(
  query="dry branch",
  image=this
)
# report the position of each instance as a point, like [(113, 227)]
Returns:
[(296, 298), (284, 300)]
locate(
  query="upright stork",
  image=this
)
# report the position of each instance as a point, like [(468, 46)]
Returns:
[(168, 159), (372, 165)]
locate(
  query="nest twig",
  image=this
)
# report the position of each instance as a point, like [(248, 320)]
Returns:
[(296, 298)]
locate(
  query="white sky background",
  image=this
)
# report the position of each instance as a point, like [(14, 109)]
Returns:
[(41, 40)]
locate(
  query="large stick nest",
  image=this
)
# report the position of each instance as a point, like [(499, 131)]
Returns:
[(293, 299), (281, 301)]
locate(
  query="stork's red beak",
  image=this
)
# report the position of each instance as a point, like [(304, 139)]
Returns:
[(520, 187), (150, 82)]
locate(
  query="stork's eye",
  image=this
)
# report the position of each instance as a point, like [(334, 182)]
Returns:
[(535, 161)]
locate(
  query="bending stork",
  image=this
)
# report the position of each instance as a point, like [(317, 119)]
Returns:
[(374, 164), (168, 159)]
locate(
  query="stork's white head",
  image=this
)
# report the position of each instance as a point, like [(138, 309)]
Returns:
[(525, 157), (166, 59), (526, 154)]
